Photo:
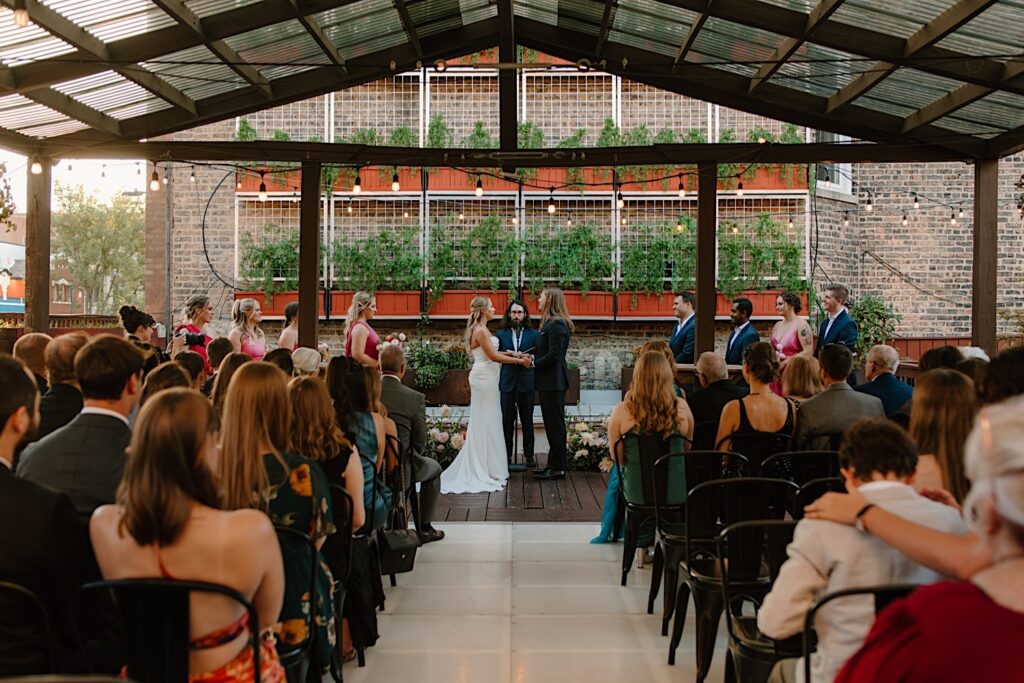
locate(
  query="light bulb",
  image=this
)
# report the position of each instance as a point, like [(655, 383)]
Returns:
[(904, 221), (69, 167), (395, 187), (791, 222), (952, 217), (154, 181), (568, 221), (960, 213), (20, 14), (462, 216), (37, 165), (682, 190), (164, 179), (238, 185), (870, 206), (103, 171), (735, 230), (828, 180), (263, 189), (440, 65), (349, 206), (515, 221), (679, 225), (846, 218), (192, 175), (619, 201), (761, 140), (739, 189), (405, 214), (917, 203), (479, 187), (138, 168), (623, 221), (551, 200)]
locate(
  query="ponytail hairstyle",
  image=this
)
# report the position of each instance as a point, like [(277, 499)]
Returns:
[(477, 316), (240, 311), (291, 310), (793, 300), (132, 319), (556, 308), (360, 302), (193, 304)]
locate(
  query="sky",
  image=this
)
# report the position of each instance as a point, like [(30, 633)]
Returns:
[(121, 175)]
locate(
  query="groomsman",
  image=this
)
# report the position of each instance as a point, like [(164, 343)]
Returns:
[(839, 327), (552, 377), (684, 336), (743, 333), (516, 382)]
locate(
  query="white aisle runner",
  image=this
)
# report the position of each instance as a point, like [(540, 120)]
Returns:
[(524, 603)]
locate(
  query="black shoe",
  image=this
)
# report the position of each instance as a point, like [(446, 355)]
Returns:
[(531, 463), (549, 475), (430, 535)]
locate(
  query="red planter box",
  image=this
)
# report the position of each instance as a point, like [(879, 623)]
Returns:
[(593, 305), (273, 305), (390, 304), (764, 302), (455, 302), (646, 306)]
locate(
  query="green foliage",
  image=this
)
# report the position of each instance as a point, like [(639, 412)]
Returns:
[(574, 174), (402, 136), (280, 136), (102, 245), (731, 248), (727, 172), (441, 257), (529, 136), (575, 258), (245, 132), (438, 133), (665, 136), (525, 54), (610, 136), (389, 260), (747, 257), (490, 254), (876, 321), (663, 256), (273, 263), (479, 138), (637, 137), (7, 207), (432, 361)]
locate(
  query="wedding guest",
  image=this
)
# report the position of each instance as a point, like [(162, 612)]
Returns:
[(877, 459), (923, 638), (306, 361), (217, 350), (791, 336), (138, 325), (195, 366), (379, 411), (168, 523), (802, 379), (165, 376), (822, 419), (743, 333), (246, 336), (1005, 377), (516, 382), (977, 370), (30, 349), (42, 543), (282, 358), (259, 469), (683, 338), (63, 401), (706, 404), (880, 372), (85, 457), (838, 327), (289, 338), (941, 416), (661, 346), (940, 357), (761, 410), (361, 341), (228, 367), (192, 332)]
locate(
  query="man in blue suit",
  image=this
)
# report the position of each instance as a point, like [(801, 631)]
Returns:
[(516, 381), (839, 327), (743, 333), (684, 336), (880, 371)]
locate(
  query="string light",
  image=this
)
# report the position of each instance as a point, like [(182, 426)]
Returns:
[(904, 221), (357, 187), (69, 167), (551, 201), (192, 175), (828, 180), (349, 207), (405, 214), (462, 216), (515, 221), (395, 186), (761, 140), (440, 65), (154, 181), (952, 217), (479, 186), (739, 189), (37, 165), (238, 183), (164, 179), (568, 221), (791, 222), (679, 224), (20, 14), (917, 202), (870, 205), (846, 218), (263, 189), (138, 168), (619, 201), (623, 221), (960, 213), (682, 190), (103, 171)]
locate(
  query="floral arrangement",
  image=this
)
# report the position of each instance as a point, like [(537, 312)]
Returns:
[(446, 436), (587, 443), (393, 340)]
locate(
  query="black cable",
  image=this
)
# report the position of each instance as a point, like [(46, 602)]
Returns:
[(206, 251)]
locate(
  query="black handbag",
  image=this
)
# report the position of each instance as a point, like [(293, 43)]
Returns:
[(397, 543)]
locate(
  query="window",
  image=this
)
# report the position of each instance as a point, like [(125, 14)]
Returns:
[(61, 292), (840, 176)]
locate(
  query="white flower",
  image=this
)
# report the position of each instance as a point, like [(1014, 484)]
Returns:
[(434, 433), (443, 437), (580, 426), (401, 336), (458, 441), (581, 453), (439, 448), (446, 412)]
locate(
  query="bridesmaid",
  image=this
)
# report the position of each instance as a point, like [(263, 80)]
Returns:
[(791, 335), (361, 341), (246, 336), (289, 338)]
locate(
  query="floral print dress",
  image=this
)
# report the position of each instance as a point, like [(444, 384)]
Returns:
[(300, 499)]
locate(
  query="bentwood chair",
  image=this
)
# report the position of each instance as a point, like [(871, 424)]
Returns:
[(19, 602), (297, 658), (801, 467), (337, 551)]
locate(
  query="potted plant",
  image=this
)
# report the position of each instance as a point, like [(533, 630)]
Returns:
[(876, 321), (576, 259), (441, 372), (270, 267), (387, 264)]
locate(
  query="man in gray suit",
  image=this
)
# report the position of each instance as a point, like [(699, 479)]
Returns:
[(822, 419), (85, 458), (407, 407), (878, 460)]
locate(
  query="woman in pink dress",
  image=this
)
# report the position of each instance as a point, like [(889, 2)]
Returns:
[(289, 338), (361, 341), (246, 336), (791, 335)]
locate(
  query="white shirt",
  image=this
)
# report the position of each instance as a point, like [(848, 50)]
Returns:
[(685, 320), (736, 333), (93, 410), (832, 319)]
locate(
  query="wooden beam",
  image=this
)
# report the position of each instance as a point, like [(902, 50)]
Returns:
[(309, 254), (37, 248), (959, 98), (508, 104), (409, 26), (789, 46), (707, 226), (607, 19), (72, 108), (316, 32), (691, 36), (985, 278)]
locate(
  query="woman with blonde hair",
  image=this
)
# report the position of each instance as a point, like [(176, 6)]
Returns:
[(481, 464), (245, 335), (259, 469), (802, 378), (361, 341), (197, 313), (942, 412), (551, 377), (170, 522)]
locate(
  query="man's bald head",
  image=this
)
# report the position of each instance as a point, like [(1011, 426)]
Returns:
[(30, 349), (60, 356), (711, 366)]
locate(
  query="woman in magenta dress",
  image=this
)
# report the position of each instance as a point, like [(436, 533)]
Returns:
[(198, 312), (791, 335), (246, 336), (361, 341)]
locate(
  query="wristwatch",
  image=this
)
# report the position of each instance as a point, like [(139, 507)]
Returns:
[(858, 521)]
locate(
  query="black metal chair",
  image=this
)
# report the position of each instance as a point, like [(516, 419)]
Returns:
[(155, 617), (337, 551), (710, 507), (801, 467), (756, 446), (297, 658), (704, 434), (393, 447), (812, 491), (883, 596), (12, 594), (701, 466), (66, 678), (750, 555)]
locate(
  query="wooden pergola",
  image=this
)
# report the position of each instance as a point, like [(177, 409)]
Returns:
[(918, 81)]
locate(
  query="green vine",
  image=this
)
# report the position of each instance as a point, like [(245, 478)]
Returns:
[(273, 263), (576, 258), (727, 172), (388, 260), (574, 174), (530, 136), (490, 255)]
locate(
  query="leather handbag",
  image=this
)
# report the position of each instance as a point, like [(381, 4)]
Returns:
[(397, 543)]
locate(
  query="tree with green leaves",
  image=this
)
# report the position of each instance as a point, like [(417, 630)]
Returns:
[(102, 245)]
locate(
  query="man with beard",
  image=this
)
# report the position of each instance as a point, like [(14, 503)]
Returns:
[(42, 546), (516, 381)]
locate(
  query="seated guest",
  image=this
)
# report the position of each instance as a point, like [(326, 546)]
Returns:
[(42, 543), (707, 403), (977, 370), (1005, 377), (761, 411), (289, 338), (802, 378), (282, 358), (63, 401), (407, 407), (823, 419), (168, 523), (382, 422), (30, 349), (138, 325), (195, 366), (166, 376), (877, 460), (259, 469), (85, 457), (216, 351), (661, 346), (306, 361), (880, 371), (228, 367), (940, 357), (966, 630), (941, 416)]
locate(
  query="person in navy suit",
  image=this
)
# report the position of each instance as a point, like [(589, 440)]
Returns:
[(743, 333), (516, 381), (880, 371), (684, 336), (839, 327)]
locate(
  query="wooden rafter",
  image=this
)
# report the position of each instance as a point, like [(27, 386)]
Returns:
[(409, 26), (959, 98), (508, 102), (607, 19), (789, 46), (316, 32), (691, 36)]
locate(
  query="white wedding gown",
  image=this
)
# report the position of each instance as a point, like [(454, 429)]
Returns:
[(482, 464)]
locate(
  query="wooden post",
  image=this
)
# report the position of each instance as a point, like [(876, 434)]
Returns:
[(37, 249), (309, 254), (707, 224), (508, 110), (986, 242)]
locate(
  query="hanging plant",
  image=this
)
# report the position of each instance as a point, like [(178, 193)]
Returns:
[(610, 136), (574, 174), (576, 258), (530, 136), (637, 137), (727, 172), (271, 264), (441, 257)]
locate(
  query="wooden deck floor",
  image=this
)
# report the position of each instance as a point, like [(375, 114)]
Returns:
[(577, 498)]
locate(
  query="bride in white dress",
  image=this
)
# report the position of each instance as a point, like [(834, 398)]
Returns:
[(482, 464)]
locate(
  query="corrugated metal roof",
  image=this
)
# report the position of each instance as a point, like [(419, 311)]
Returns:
[(28, 44), (110, 21), (901, 19)]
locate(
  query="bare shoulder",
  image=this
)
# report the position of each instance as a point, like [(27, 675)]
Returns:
[(104, 520), (248, 523)]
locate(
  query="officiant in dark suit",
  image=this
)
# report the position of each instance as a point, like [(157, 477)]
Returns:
[(839, 327), (683, 339), (552, 377), (516, 383)]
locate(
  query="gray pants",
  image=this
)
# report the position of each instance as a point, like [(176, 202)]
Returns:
[(427, 472)]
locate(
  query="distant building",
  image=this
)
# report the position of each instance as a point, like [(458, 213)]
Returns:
[(65, 297)]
